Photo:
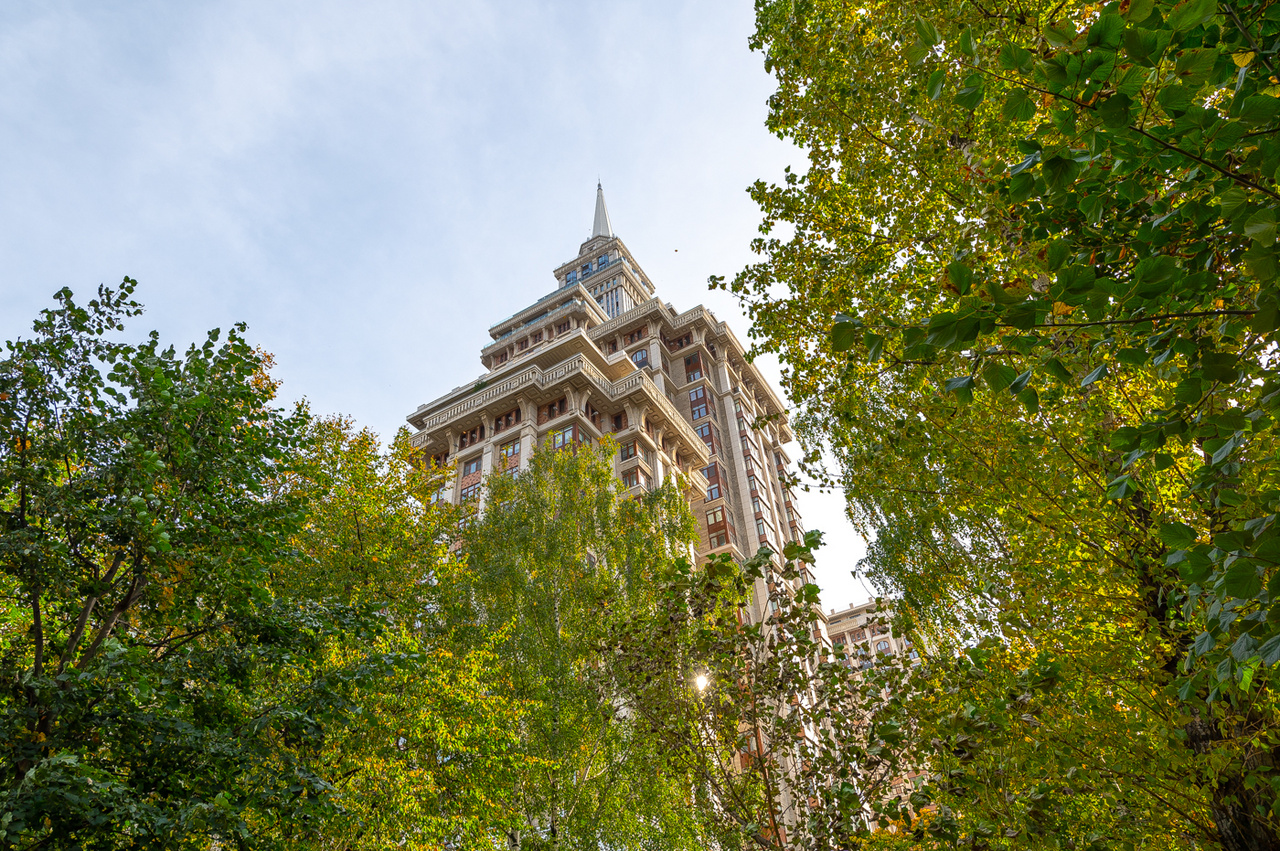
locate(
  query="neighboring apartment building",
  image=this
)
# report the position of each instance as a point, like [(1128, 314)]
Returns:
[(602, 355), (866, 634)]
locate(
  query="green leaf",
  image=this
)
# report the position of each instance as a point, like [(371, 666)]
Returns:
[(1257, 110), (1093, 376), (1177, 535), (844, 335), (1261, 227), (1241, 580), (971, 95), (1019, 382), (928, 32), (1191, 13), (874, 344), (1195, 66), (1059, 172), (1060, 34), (960, 275), (1012, 58), (1121, 487), (1203, 644), (1030, 400), (1105, 32), (1139, 10), (1114, 111), (999, 376), (934, 86), (1141, 46), (968, 46), (1019, 106), (962, 386), (1270, 650)]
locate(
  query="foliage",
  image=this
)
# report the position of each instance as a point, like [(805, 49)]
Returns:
[(791, 743), (556, 561), (429, 761), (1026, 292), (137, 629)]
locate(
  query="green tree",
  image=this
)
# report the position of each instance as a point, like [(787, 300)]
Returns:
[(137, 628), (1025, 291), (556, 561), (431, 758)]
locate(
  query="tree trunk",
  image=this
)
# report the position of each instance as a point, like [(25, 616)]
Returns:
[(1234, 808)]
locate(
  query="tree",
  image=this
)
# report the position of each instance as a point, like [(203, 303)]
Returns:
[(1026, 292), (431, 758), (556, 561), (137, 626)]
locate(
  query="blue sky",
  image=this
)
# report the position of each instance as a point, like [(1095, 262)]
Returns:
[(370, 185)]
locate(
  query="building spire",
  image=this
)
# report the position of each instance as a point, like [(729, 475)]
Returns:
[(601, 225)]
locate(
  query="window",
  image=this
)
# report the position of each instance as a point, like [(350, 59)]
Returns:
[(719, 539), (612, 348), (571, 277), (751, 483), (710, 471), (537, 336), (502, 422), (713, 491), (641, 357), (742, 424), (553, 410), (510, 450), (619, 422), (755, 504), (715, 516), (561, 437), (631, 478), (760, 529), (693, 367), (523, 344), (637, 335), (471, 438), (501, 358), (699, 411), (472, 466), (882, 646), (704, 431), (628, 451), (697, 394), (859, 634), (562, 328), (603, 261), (586, 270), (470, 492)]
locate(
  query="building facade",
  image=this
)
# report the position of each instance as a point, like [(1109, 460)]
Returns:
[(601, 354)]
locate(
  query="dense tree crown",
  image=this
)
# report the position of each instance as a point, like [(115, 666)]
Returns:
[(1025, 290)]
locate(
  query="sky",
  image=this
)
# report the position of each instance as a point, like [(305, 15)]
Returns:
[(371, 185)]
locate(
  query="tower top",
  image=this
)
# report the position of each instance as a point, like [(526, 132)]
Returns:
[(601, 225)]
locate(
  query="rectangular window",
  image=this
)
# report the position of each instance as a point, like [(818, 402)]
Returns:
[(619, 422), (710, 471), (715, 516), (697, 394), (561, 437), (562, 328), (510, 450), (631, 478), (586, 270), (472, 466), (637, 335), (627, 451), (719, 539), (640, 358), (755, 504), (537, 336), (501, 358), (699, 411), (571, 277), (470, 492), (751, 483), (693, 367), (760, 528), (603, 261), (523, 344), (713, 491), (612, 348)]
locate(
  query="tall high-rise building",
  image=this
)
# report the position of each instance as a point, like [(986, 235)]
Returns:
[(602, 355)]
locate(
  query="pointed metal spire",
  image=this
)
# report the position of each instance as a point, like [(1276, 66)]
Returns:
[(601, 226)]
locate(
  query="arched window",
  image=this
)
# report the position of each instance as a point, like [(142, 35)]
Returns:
[(882, 646)]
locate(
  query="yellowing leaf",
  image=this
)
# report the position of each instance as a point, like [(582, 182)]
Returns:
[(1242, 59)]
